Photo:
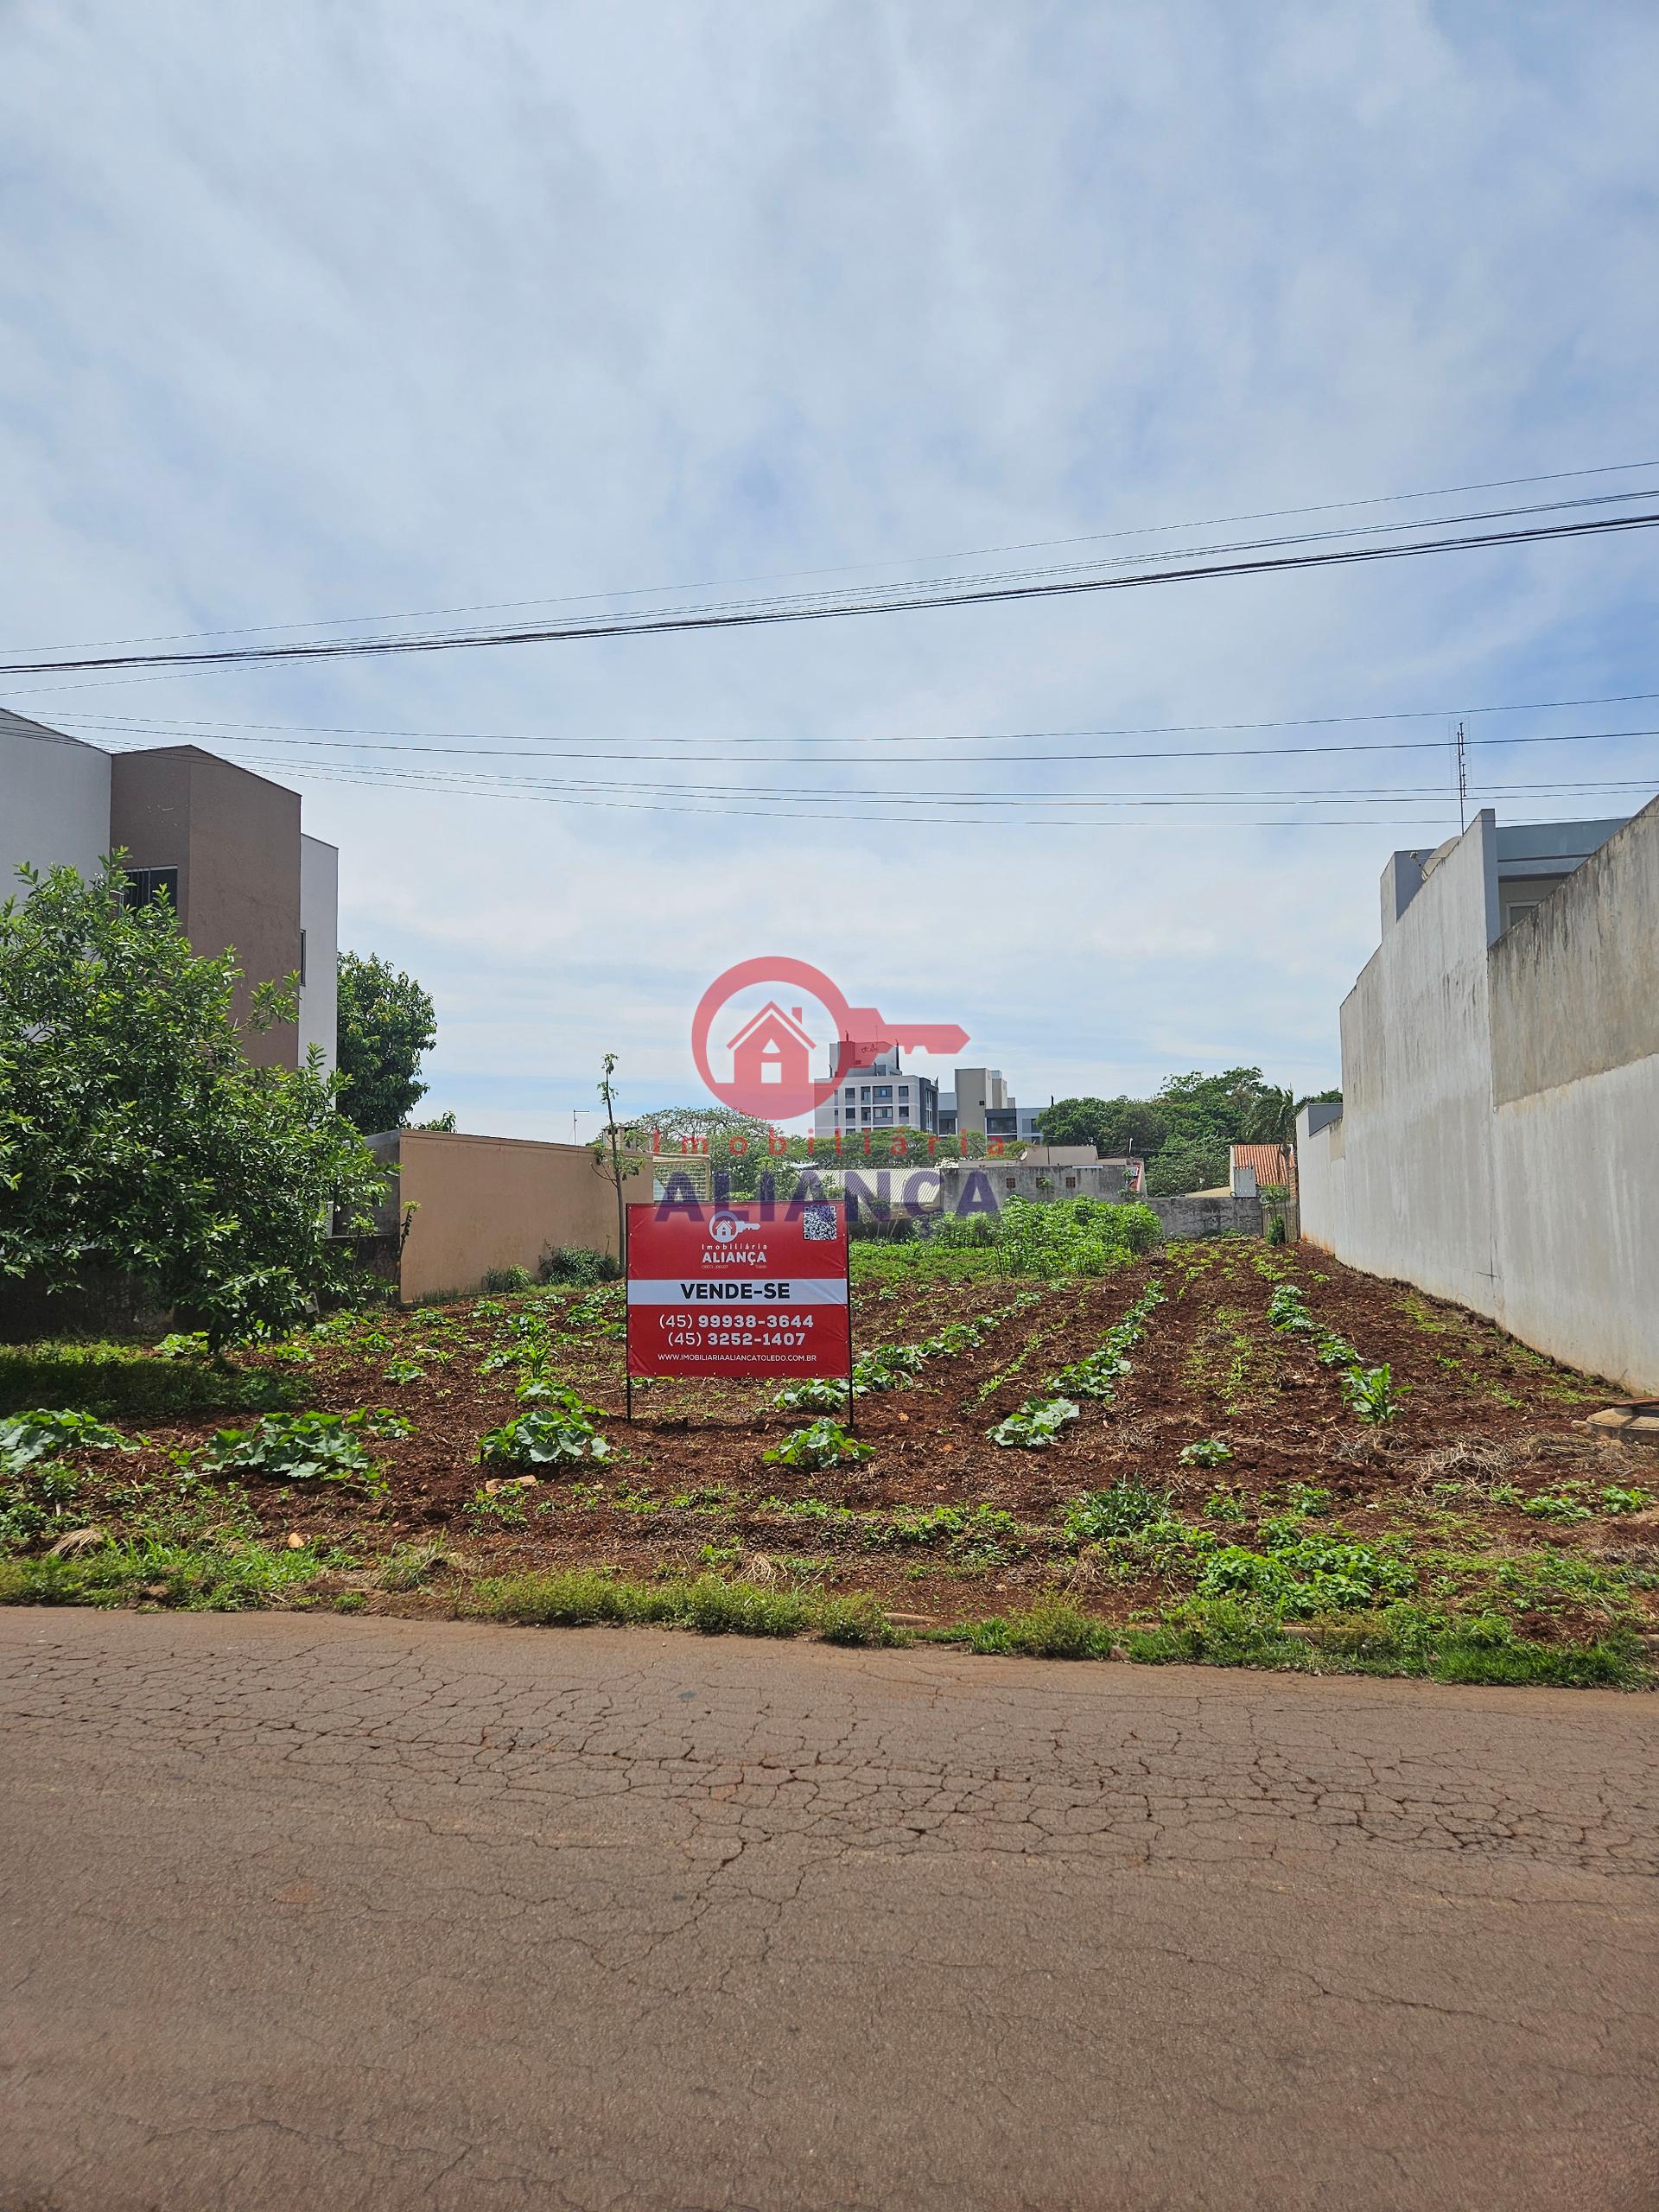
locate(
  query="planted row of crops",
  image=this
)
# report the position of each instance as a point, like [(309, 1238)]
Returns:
[(1047, 1412), (1370, 1391)]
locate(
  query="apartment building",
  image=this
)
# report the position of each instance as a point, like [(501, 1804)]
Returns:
[(979, 1105), (226, 847), (882, 1095)]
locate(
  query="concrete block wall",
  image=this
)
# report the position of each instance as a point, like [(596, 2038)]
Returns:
[(1499, 1141)]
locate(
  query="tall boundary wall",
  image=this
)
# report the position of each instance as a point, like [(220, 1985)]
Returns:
[(1498, 1144)]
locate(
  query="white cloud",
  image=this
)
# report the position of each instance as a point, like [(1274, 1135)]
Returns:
[(311, 313)]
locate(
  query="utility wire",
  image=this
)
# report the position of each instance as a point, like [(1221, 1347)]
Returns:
[(973, 553), (301, 735), (896, 599)]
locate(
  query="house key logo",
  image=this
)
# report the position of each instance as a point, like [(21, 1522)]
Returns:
[(772, 1049)]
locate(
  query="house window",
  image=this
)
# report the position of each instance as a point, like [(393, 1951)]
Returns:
[(851, 1094), (903, 1113), (1008, 1179), (884, 1090), (864, 1092), (146, 884), (904, 1091), (1070, 1182)]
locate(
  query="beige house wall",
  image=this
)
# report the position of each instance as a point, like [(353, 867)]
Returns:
[(498, 1202)]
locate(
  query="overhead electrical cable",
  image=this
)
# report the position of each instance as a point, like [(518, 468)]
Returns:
[(1207, 563), (971, 553)]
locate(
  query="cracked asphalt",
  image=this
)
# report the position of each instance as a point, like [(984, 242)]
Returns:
[(341, 1913)]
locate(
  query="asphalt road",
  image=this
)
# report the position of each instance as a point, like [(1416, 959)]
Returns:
[(344, 1913)]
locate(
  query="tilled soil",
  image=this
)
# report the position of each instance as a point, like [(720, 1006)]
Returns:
[(1478, 1409)]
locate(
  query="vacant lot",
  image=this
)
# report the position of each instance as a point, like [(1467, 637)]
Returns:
[(1270, 1459)]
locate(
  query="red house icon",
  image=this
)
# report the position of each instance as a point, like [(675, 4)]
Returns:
[(772, 1050)]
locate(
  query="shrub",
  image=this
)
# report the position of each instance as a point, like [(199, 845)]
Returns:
[(115, 1379), (138, 1140), (822, 1444), (305, 1447), (820, 1395), (556, 1434), (576, 1263), (1121, 1510), (30, 1437), (1307, 1574), (498, 1281), (1036, 1425)]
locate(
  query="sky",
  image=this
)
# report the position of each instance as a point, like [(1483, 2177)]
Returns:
[(310, 313)]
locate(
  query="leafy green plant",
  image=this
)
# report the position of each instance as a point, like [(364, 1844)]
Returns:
[(1371, 1392), (402, 1370), (1036, 1425), (501, 1280), (1307, 1574), (183, 1344), (1225, 1505), (305, 1447), (1613, 1499), (822, 1444), (886, 1367), (1565, 1504), (42, 1435), (1123, 1509), (578, 1264), (505, 1505), (819, 1396), (1208, 1452), (556, 1434)]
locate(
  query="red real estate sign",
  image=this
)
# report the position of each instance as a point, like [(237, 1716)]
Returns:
[(738, 1290)]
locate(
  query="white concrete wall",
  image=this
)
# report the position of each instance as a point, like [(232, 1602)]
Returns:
[(320, 919), (54, 801), (1499, 1141), (1402, 1183)]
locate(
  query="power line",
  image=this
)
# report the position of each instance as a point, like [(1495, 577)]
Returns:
[(347, 741), (972, 553), (897, 600)]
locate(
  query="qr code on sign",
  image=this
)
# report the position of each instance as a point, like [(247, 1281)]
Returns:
[(818, 1224)]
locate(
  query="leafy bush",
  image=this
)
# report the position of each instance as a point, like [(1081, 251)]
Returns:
[(1050, 1629), (1614, 1499), (886, 1367), (556, 1432), (30, 1437), (1122, 1510), (1075, 1236), (819, 1396), (1307, 1574), (138, 1140), (498, 1281), (305, 1447), (1371, 1392), (33, 1501), (1208, 1452), (117, 1378), (575, 1263), (822, 1444), (1036, 1425)]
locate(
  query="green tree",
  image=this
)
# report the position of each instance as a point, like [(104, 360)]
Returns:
[(1194, 1161), (1115, 1126), (135, 1138), (386, 1022)]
